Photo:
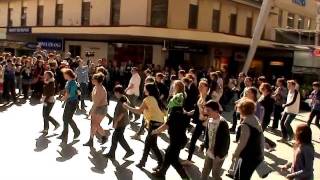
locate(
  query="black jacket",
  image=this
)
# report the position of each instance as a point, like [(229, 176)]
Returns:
[(222, 143)]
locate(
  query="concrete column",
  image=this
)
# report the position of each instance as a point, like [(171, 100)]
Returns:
[(178, 14), (16, 14), (4, 16), (133, 12), (262, 20), (72, 13), (158, 56), (32, 9), (49, 12)]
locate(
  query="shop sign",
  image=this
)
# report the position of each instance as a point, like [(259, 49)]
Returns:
[(189, 48), (299, 2), (51, 44), (19, 30)]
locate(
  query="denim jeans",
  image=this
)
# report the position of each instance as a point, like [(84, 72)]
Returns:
[(286, 129), (118, 137), (84, 93), (68, 113)]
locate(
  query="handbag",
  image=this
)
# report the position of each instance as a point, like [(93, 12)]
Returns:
[(263, 169), (233, 167)]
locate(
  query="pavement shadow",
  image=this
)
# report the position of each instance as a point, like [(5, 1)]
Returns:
[(151, 177), (98, 160), (122, 172), (67, 151), (276, 162), (34, 101), (6, 106), (275, 132), (193, 171), (165, 137), (43, 142)]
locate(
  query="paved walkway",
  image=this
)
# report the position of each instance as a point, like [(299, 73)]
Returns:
[(26, 154)]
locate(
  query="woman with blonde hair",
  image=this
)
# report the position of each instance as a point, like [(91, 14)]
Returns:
[(98, 110)]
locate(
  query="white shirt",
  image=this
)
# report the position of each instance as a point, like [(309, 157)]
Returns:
[(135, 81)]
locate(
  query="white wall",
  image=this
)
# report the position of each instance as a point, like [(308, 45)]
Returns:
[(100, 48)]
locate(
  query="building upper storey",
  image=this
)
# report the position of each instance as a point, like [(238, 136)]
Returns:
[(234, 17)]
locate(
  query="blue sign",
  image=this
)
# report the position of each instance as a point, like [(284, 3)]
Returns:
[(300, 2), (51, 44), (19, 30)]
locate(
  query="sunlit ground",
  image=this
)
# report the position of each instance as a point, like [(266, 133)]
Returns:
[(26, 154)]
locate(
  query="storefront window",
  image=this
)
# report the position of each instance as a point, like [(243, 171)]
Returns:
[(159, 13)]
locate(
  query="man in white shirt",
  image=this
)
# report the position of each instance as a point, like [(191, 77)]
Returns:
[(133, 89)]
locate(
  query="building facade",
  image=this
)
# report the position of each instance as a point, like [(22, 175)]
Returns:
[(198, 32)]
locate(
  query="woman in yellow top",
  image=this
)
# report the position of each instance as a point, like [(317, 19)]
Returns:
[(152, 110)]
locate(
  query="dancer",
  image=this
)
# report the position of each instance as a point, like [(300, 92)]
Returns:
[(176, 124), (48, 101), (70, 99), (152, 110), (98, 110), (121, 120)]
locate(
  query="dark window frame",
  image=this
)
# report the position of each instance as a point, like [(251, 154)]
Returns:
[(115, 12), (216, 15), (40, 13), (10, 21), (159, 13), (249, 24), (59, 15), (23, 16), (193, 16), (85, 13), (233, 23)]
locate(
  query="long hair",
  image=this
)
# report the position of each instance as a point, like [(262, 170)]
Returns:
[(153, 91)]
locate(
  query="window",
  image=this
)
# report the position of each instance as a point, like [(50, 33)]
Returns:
[(75, 50), (159, 13), (24, 16), (249, 27), (10, 13), (280, 18), (308, 23), (85, 18), (59, 14), (290, 20), (216, 20), (193, 16), (301, 22), (233, 24), (115, 12), (40, 16)]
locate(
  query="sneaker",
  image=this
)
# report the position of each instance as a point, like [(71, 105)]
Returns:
[(45, 131), (56, 127), (282, 140), (158, 174), (128, 154), (140, 165)]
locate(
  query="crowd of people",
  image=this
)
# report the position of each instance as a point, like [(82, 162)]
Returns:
[(168, 99)]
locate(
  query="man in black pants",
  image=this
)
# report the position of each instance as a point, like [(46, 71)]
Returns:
[(121, 120)]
